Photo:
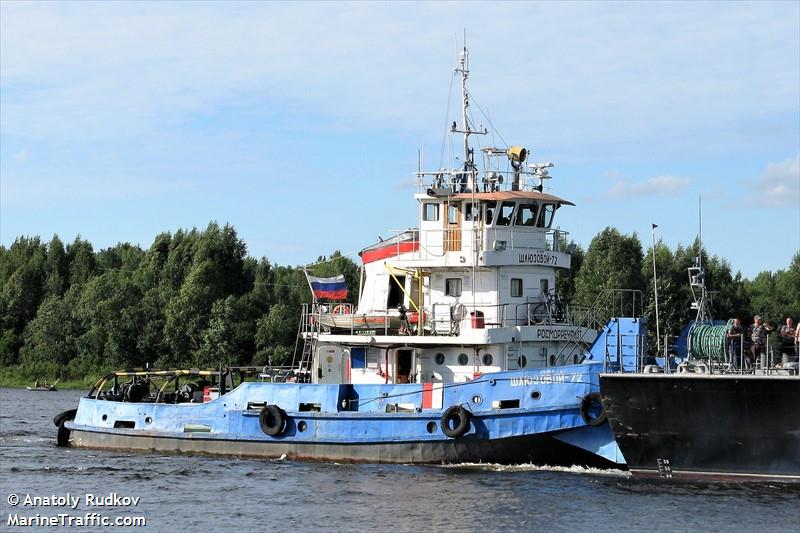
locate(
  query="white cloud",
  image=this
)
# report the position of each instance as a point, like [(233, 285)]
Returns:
[(93, 69), (655, 186), (778, 186)]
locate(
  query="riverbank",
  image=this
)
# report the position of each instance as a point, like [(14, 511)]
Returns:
[(14, 377)]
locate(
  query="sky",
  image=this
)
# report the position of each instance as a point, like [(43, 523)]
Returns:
[(301, 124)]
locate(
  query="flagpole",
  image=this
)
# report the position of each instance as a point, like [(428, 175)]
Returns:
[(311, 287), (655, 290)]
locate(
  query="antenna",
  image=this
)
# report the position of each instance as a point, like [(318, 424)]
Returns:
[(466, 131), (700, 231)]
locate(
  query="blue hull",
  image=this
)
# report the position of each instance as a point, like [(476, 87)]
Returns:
[(516, 417)]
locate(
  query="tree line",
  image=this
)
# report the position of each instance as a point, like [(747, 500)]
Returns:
[(195, 298), (614, 260)]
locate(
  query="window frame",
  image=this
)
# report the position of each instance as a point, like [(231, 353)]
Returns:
[(447, 285), (503, 204), (547, 211), (534, 207), (511, 287), (435, 212)]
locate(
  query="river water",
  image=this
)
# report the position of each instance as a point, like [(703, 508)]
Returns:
[(183, 493)]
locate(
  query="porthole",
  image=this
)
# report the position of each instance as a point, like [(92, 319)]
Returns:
[(487, 359), (535, 395), (104, 417), (302, 426), (552, 360), (522, 361), (148, 420), (439, 358), (431, 427), (463, 359), (477, 399)]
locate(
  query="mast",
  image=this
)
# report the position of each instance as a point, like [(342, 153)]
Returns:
[(469, 160), (464, 105)]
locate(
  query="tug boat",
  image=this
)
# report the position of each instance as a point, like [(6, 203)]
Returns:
[(458, 350)]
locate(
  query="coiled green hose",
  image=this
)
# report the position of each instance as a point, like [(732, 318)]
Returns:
[(708, 342)]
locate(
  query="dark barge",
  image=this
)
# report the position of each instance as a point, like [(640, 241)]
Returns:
[(706, 426)]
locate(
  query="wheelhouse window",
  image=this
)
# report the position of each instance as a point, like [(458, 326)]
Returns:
[(506, 211), (472, 212), (516, 287), (430, 212), (526, 215), (548, 210), (452, 287), (489, 209)]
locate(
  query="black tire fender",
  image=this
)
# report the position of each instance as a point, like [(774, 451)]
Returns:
[(272, 420), (590, 400), (455, 421), (63, 435), (62, 417)]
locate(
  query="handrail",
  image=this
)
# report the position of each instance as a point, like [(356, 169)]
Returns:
[(591, 319)]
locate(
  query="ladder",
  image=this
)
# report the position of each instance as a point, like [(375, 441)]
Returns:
[(307, 334)]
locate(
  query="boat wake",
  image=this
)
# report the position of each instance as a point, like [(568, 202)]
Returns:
[(528, 467)]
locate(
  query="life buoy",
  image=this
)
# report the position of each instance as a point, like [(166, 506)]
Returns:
[(340, 309), (590, 401), (455, 421), (272, 420)]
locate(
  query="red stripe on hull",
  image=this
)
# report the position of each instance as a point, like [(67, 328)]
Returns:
[(390, 250), (427, 395)]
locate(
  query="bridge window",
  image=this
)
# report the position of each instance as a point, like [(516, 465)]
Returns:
[(504, 217), (430, 212), (516, 287), (548, 210), (489, 208), (452, 287), (526, 215), (472, 212)]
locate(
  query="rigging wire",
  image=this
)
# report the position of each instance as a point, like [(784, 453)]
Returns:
[(447, 118), (489, 120)]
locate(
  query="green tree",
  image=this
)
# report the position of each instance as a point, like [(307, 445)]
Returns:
[(52, 336), (613, 261), (81, 261)]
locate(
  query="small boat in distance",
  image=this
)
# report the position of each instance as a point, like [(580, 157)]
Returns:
[(43, 386)]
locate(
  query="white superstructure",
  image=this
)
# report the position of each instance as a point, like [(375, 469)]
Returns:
[(470, 291)]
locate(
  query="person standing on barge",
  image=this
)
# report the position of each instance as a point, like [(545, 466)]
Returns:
[(758, 337), (735, 332), (788, 334)]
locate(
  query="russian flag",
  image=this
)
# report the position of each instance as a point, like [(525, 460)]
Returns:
[(328, 288)]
